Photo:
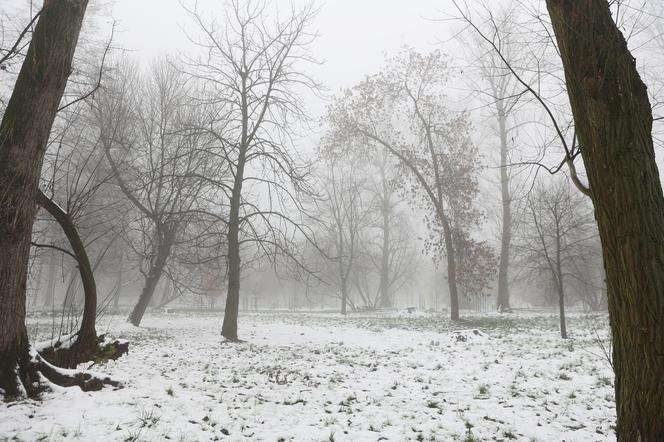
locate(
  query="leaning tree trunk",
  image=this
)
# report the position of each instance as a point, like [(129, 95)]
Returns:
[(87, 333), (165, 239), (503, 301), (613, 121), (24, 133), (86, 345)]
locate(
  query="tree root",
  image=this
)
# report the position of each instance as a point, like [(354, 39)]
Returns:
[(33, 375), (68, 354), (86, 381)]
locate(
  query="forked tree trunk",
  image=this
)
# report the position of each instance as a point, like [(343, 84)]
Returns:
[(24, 133), (613, 121)]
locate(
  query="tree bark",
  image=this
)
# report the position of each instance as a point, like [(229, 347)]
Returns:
[(49, 294), (343, 270), (385, 295), (613, 120), (344, 297), (116, 295), (229, 327), (24, 133), (451, 272), (87, 334), (166, 240), (166, 296), (503, 301), (559, 279), (561, 309)]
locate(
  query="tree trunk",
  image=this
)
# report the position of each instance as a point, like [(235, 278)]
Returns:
[(166, 296), (167, 238), (385, 295), (24, 133), (229, 327), (87, 334), (503, 301), (613, 121), (69, 300), (343, 272), (451, 272), (151, 281), (561, 309), (344, 298), (116, 295), (86, 346), (559, 281), (36, 290), (49, 293)]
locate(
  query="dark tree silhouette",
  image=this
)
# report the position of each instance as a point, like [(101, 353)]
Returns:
[(613, 119), (24, 133)]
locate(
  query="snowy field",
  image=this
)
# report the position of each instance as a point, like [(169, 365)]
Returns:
[(318, 377)]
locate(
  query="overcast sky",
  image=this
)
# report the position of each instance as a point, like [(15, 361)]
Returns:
[(354, 34)]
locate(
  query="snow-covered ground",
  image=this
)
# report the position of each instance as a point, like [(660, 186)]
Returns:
[(302, 376)]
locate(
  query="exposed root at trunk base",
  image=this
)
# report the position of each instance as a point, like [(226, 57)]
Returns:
[(233, 340), (33, 375), (86, 381), (70, 351)]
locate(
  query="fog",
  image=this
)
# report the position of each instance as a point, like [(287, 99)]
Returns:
[(368, 220)]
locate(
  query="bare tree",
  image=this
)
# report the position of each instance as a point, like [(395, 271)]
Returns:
[(24, 131), (540, 79), (587, 279), (501, 93), (15, 39), (390, 257), (148, 125), (77, 197), (252, 78), (344, 218), (613, 118), (555, 236), (402, 110), (613, 124)]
